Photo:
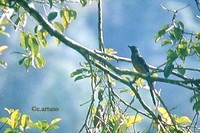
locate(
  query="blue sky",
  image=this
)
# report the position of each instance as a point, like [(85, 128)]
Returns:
[(125, 22)]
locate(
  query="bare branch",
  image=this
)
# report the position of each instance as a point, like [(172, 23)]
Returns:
[(100, 26)]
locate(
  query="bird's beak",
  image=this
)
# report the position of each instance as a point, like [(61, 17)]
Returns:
[(129, 46)]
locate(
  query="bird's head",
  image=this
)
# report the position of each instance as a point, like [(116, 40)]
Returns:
[(134, 49)]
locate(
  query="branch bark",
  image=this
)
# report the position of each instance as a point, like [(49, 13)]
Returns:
[(100, 26)]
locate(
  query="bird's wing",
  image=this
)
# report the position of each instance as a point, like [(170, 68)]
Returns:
[(144, 64)]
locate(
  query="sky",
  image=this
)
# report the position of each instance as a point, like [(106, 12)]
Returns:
[(130, 22)]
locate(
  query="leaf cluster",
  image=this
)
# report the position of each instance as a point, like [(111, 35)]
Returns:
[(182, 45), (33, 42), (21, 123)]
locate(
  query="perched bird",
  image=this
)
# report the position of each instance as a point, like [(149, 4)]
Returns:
[(141, 66)]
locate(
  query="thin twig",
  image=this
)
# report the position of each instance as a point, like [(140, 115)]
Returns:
[(87, 116), (3, 125), (162, 102), (128, 105)]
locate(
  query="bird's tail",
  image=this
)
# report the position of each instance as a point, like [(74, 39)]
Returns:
[(152, 92)]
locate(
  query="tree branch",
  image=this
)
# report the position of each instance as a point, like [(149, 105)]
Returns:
[(100, 27)]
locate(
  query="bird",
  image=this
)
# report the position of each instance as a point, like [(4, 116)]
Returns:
[(141, 66)]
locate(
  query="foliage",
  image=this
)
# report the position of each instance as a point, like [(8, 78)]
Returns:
[(33, 42), (183, 44), (22, 123), (109, 109)]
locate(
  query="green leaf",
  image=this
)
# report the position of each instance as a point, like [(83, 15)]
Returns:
[(50, 3), (196, 106), (4, 119), (39, 28), (181, 70), (72, 14), (9, 130), (81, 77), (180, 25), (83, 2), (78, 71), (15, 115), (132, 119), (21, 61), (27, 62), (3, 1), (196, 48), (66, 16), (171, 56), (168, 69), (166, 41), (52, 16), (183, 120), (52, 124), (59, 26), (172, 37), (110, 51), (23, 19), (20, 21), (24, 40), (177, 32), (40, 61), (163, 112), (161, 33), (41, 39), (54, 121), (57, 41), (195, 97), (35, 125), (43, 125), (64, 13), (24, 120), (198, 36), (52, 127), (183, 51), (34, 46), (4, 21)]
